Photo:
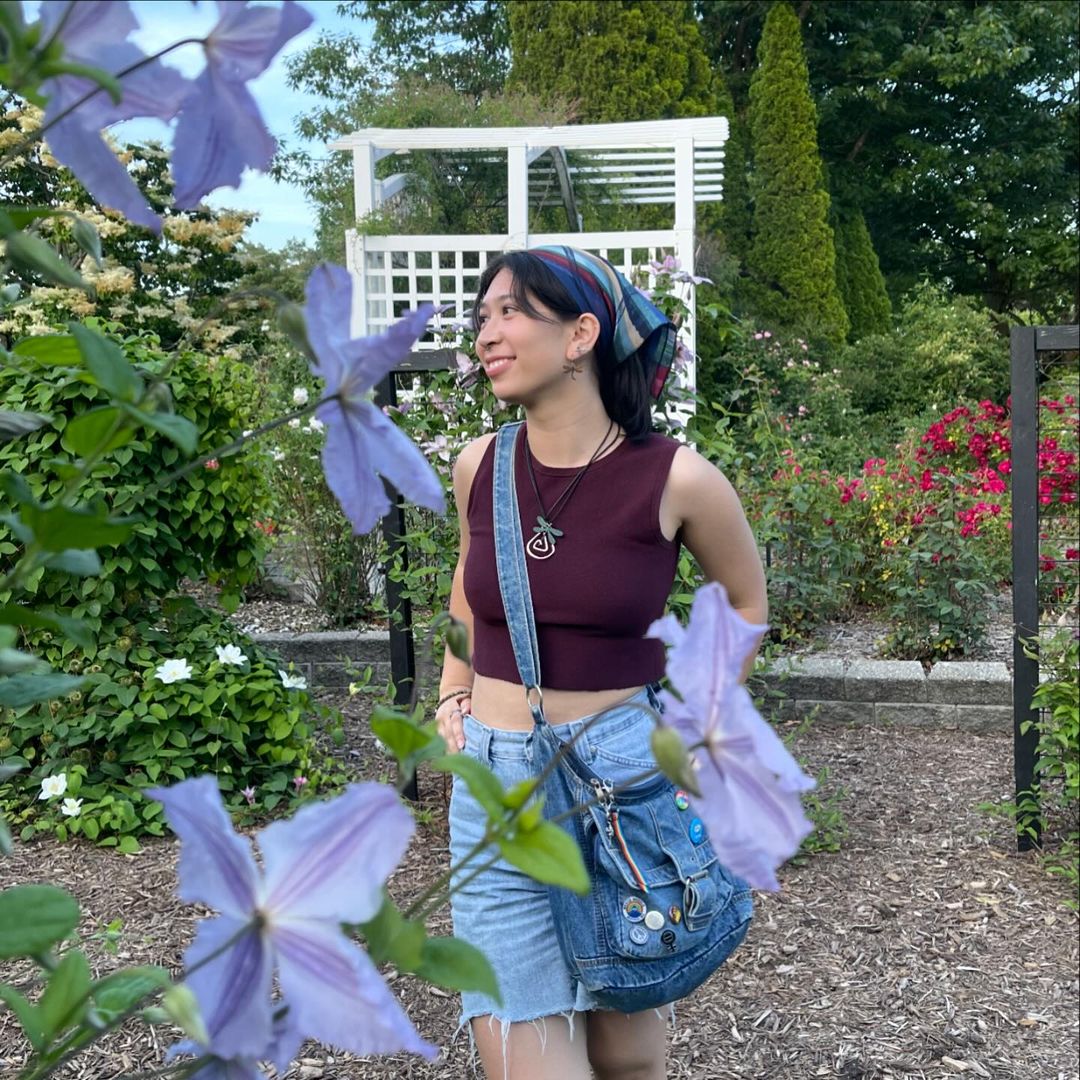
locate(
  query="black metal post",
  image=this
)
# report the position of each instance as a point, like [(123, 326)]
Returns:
[(1025, 561), (399, 609)]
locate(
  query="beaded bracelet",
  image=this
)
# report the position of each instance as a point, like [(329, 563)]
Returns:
[(461, 692)]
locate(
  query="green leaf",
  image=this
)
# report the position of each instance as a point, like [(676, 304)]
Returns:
[(30, 254), (457, 965), (64, 1000), (17, 615), (55, 527), (25, 1013), (18, 217), (177, 429), (6, 847), (123, 990), (53, 349), (17, 691), (400, 734), (392, 939), (482, 782), (83, 562), (13, 425), (97, 430), (105, 360), (33, 918), (85, 234), (549, 855)]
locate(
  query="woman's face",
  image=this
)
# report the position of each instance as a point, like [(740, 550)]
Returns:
[(520, 355)]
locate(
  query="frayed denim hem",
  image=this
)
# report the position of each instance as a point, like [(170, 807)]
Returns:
[(539, 1024)]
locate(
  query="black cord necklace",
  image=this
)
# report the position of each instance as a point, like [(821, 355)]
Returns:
[(542, 544)]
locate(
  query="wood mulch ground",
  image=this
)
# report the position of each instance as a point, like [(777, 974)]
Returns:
[(925, 948)]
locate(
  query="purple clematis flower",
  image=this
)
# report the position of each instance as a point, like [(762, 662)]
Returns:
[(361, 441), (749, 782), (221, 131), (95, 33), (324, 867)]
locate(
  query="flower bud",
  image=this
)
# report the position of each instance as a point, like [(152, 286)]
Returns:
[(673, 759), (179, 1002), (291, 322), (457, 640)]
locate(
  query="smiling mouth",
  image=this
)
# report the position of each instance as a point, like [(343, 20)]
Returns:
[(496, 367)]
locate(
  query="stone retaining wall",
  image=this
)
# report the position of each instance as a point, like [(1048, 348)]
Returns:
[(974, 695)]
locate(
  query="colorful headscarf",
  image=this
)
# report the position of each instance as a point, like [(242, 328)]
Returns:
[(629, 322)]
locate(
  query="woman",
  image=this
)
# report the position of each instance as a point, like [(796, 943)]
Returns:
[(605, 504)]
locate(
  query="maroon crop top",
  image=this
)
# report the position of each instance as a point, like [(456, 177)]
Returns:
[(608, 580)]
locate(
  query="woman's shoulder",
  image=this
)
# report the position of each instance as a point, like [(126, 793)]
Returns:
[(468, 461)]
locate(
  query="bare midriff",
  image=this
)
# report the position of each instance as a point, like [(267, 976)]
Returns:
[(500, 704)]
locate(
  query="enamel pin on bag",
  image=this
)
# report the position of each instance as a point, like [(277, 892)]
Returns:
[(663, 914)]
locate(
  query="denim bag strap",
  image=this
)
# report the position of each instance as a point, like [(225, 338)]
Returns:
[(513, 570)]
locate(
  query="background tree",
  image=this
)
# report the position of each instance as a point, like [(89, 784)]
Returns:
[(618, 60), (952, 125), (792, 259), (859, 278)]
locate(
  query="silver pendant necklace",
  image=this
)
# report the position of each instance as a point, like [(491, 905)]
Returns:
[(542, 543)]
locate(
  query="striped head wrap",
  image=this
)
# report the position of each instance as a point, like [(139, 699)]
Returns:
[(629, 322)]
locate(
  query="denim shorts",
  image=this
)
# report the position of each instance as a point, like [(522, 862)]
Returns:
[(502, 911)]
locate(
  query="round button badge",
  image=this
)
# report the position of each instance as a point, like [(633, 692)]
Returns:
[(634, 909), (681, 800), (639, 935), (654, 920), (696, 830)]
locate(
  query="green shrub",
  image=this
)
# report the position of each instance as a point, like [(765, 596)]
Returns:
[(945, 349), (199, 526), (126, 729)]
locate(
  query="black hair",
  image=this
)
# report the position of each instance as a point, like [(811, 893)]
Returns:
[(623, 387)]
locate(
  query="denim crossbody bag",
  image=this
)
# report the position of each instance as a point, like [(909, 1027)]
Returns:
[(662, 914)]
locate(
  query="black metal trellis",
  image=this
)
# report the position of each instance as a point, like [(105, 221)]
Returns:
[(402, 650), (1028, 344)]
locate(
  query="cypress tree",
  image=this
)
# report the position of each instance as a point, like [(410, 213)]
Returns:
[(859, 278), (617, 59), (792, 258)]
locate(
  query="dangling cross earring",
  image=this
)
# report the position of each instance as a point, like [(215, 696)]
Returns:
[(573, 367)]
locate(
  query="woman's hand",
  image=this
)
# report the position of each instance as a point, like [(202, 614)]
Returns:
[(450, 718)]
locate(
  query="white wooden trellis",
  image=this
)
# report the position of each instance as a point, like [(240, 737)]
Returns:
[(673, 162)]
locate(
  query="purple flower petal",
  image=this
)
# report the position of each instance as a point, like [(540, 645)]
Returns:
[(94, 33), (216, 866), (350, 471), (235, 1069), (100, 171), (246, 39), (330, 860), (219, 134), (233, 989), (338, 995), (749, 781), (221, 131)]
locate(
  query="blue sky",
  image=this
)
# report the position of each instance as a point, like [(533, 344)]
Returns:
[(283, 211)]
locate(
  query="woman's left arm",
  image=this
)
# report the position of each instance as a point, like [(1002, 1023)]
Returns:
[(700, 500)]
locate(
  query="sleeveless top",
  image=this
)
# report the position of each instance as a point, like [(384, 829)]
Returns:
[(607, 581)]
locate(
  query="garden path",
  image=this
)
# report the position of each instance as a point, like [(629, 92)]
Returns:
[(925, 948)]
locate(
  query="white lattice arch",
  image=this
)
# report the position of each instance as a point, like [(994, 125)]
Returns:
[(673, 162)]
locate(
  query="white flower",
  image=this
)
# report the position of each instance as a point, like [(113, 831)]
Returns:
[(230, 654), (71, 807), (292, 682), (314, 425), (53, 786), (248, 432), (299, 395), (173, 671), (294, 422), (278, 455)]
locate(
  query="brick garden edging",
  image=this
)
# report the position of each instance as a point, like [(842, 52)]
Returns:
[(973, 695)]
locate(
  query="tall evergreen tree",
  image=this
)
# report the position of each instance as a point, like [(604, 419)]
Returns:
[(859, 278), (618, 59), (792, 259)]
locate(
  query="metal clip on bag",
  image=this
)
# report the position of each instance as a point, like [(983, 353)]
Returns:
[(663, 914)]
